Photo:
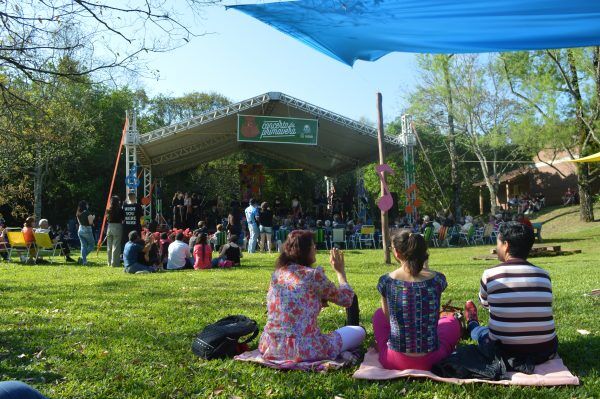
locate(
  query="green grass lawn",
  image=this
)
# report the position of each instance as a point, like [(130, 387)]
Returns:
[(95, 332)]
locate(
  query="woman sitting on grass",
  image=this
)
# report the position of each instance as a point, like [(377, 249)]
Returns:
[(296, 295), (408, 331), (202, 253), (231, 252)]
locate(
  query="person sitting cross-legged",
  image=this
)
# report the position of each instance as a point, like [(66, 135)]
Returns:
[(131, 255), (202, 253), (230, 251), (296, 296), (409, 333), (180, 256), (518, 296)]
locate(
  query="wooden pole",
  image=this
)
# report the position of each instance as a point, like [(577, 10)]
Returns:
[(112, 183), (385, 231), (480, 201)]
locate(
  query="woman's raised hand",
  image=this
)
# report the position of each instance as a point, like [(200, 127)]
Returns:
[(336, 259)]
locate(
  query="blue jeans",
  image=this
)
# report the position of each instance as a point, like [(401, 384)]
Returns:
[(254, 233), (485, 344), (87, 241), (138, 267), (18, 390)]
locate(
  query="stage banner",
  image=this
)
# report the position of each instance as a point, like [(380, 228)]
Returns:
[(275, 129)]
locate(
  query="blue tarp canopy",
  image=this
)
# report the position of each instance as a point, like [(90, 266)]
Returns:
[(367, 30)]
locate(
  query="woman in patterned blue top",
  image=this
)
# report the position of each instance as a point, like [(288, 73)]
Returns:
[(408, 331)]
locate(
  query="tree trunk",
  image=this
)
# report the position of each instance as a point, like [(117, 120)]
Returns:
[(38, 178), (456, 205), (586, 201), (493, 190)]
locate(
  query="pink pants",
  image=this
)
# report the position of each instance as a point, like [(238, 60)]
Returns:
[(448, 335)]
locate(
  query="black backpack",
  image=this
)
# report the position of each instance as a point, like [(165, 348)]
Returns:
[(220, 340)]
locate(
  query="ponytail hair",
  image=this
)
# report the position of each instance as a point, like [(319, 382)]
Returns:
[(411, 248)]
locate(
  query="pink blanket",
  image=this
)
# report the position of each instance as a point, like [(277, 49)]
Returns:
[(343, 360), (551, 373)]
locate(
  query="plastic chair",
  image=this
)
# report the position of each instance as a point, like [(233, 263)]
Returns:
[(43, 242), (320, 238), (428, 234), (468, 236), (280, 237), (440, 237), (220, 239), (17, 242), (366, 235), (339, 237), (486, 235)]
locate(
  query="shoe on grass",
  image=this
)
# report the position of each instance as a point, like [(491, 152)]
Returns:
[(471, 312), (143, 272)]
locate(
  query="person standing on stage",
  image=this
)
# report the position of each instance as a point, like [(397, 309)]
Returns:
[(251, 213)]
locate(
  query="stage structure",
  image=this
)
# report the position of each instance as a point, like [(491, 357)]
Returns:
[(343, 144)]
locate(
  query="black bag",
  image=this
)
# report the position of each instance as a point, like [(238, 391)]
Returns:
[(468, 362), (220, 340)]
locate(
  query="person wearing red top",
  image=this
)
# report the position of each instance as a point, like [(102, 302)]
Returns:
[(28, 230), (202, 253), (521, 218)]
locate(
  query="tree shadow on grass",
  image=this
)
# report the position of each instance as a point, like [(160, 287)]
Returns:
[(581, 354), (16, 357)]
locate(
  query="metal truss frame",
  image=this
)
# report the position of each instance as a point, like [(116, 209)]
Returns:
[(131, 147), (334, 117), (407, 138), (185, 151), (204, 118), (262, 99), (147, 188)]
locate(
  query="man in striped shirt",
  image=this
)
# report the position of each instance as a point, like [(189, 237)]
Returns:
[(518, 296)]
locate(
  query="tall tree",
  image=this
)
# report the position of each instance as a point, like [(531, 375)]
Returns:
[(562, 89), (433, 100)]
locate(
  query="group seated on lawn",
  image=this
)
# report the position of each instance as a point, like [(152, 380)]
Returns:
[(409, 331)]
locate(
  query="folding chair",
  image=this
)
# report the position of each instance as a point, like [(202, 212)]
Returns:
[(468, 236), (428, 234), (440, 237), (220, 239), (5, 249), (320, 238), (43, 242), (280, 237), (486, 235), (339, 237), (366, 235), (17, 242)]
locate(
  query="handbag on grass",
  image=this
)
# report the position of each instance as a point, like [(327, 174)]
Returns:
[(221, 339)]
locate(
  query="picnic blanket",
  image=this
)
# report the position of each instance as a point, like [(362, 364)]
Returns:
[(550, 373), (347, 358)]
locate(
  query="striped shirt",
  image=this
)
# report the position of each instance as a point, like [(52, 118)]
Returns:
[(519, 298)]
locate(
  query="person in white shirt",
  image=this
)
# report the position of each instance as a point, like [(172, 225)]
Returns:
[(180, 256), (251, 213)]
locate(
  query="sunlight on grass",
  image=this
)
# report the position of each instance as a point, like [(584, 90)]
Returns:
[(96, 332)]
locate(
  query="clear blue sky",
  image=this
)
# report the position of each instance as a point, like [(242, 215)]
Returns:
[(244, 58)]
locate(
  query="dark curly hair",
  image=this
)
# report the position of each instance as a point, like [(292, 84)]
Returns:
[(296, 249), (412, 248)]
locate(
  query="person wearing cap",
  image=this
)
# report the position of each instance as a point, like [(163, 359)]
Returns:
[(251, 214)]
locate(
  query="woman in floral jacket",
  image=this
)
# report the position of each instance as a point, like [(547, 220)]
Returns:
[(296, 295)]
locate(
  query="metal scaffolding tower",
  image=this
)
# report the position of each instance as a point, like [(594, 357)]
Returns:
[(408, 142)]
